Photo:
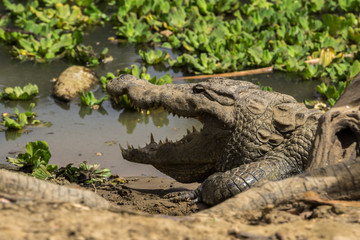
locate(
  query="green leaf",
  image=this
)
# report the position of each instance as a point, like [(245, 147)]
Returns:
[(26, 45), (89, 99), (331, 101), (135, 71), (326, 56), (336, 24), (153, 57), (22, 119), (41, 173), (17, 93), (19, 8), (11, 123), (65, 41), (354, 69), (256, 54), (16, 162), (322, 88), (317, 5), (202, 5)]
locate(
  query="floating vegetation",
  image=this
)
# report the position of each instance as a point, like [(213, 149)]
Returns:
[(36, 162), (225, 36), (208, 37), (28, 92), (19, 120), (89, 99), (50, 29)]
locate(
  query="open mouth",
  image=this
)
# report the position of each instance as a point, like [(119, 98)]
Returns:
[(194, 154)]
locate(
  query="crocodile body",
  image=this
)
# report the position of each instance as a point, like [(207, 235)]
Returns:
[(248, 135)]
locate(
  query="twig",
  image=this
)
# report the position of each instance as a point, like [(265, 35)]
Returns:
[(247, 72)]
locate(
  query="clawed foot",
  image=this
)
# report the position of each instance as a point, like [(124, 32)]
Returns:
[(191, 197)]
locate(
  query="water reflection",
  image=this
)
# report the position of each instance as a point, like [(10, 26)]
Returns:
[(130, 118), (62, 105), (86, 110), (19, 103), (12, 135)]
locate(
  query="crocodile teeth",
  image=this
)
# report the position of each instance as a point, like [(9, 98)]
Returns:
[(121, 148), (116, 100), (194, 129), (152, 140), (188, 131), (167, 140)]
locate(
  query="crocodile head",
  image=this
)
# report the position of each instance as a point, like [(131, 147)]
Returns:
[(194, 157)]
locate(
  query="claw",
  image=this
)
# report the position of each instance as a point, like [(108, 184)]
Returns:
[(191, 197)]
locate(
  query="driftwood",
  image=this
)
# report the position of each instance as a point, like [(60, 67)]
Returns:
[(338, 133)]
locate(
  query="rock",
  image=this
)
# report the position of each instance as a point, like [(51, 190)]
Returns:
[(73, 80)]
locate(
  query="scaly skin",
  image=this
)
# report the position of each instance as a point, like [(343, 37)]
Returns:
[(248, 136), (18, 187)]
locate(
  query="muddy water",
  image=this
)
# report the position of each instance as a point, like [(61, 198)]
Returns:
[(77, 134)]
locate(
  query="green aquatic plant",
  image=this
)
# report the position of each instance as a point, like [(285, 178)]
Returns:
[(19, 120), (85, 173), (28, 92), (264, 88), (331, 92), (105, 79), (205, 36), (89, 99), (154, 57), (36, 162), (47, 30), (135, 71), (222, 36)]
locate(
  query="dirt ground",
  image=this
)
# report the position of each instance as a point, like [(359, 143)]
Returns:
[(140, 211)]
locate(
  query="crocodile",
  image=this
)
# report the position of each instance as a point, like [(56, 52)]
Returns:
[(332, 171), (248, 135)]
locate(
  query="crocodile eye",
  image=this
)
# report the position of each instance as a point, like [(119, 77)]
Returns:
[(198, 89)]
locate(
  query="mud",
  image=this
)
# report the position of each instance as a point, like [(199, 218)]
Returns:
[(140, 211)]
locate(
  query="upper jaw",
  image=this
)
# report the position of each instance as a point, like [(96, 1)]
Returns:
[(181, 99)]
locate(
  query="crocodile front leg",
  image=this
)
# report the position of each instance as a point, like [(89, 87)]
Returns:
[(223, 185)]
